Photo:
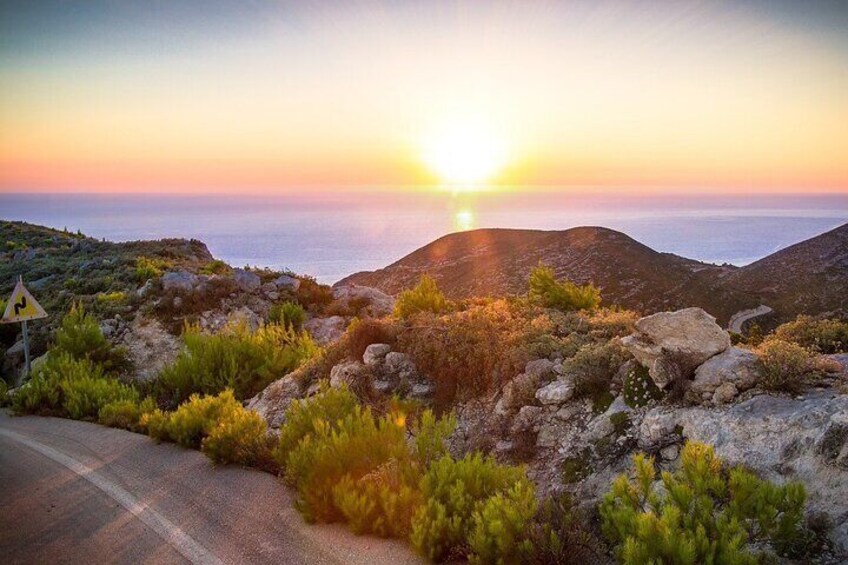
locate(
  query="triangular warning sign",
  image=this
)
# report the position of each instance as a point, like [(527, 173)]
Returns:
[(22, 306)]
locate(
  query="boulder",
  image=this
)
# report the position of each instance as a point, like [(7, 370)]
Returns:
[(246, 281), (400, 366), (734, 369), (375, 354), (782, 439), (326, 330), (286, 282), (150, 347), (347, 373), (375, 302), (673, 344), (179, 280), (542, 370), (17, 350), (273, 402), (556, 392)]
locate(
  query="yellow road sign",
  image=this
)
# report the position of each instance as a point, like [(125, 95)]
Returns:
[(22, 307)]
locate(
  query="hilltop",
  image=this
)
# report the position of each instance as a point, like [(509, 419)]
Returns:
[(805, 278)]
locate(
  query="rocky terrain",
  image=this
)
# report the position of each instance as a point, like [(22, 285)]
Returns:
[(809, 277)]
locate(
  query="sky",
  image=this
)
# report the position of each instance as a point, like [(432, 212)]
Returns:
[(275, 96)]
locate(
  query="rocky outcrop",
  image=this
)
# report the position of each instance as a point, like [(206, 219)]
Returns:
[(273, 402), (246, 280), (673, 344), (358, 298), (287, 282), (722, 377), (150, 347), (326, 330), (180, 281)]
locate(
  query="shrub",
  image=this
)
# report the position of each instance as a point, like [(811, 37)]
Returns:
[(565, 296), (4, 392), (215, 267), (363, 332), (594, 366), (146, 268), (612, 322), (236, 358), (313, 295), (783, 365), (556, 535), (79, 336), (69, 387), (453, 491), (219, 426), (639, 389), (303, 417), (357, 446), (125, 414), (499, 530), (468, 353), (241, 437), (288, 314), (705, 513), (111, 298), (426, 297), (819, 335)]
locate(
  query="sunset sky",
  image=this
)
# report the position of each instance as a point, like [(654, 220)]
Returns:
[(264, 96)]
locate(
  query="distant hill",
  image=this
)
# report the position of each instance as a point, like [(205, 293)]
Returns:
[(495, 262), (807, 277)]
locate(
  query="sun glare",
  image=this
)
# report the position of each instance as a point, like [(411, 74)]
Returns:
[(465, 155)]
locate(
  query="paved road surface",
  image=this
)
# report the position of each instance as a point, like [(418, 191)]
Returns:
[(73, 492), (739, 318)]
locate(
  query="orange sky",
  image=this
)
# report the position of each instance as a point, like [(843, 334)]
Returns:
[(322, 96)]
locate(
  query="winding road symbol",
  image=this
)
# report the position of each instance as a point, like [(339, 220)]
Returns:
[(20, 306)]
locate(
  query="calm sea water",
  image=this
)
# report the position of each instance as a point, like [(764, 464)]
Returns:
[(332, 236)]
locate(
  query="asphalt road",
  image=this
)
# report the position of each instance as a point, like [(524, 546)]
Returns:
[(74, 492)]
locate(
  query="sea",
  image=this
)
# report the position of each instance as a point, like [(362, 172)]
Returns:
[(331, 234)]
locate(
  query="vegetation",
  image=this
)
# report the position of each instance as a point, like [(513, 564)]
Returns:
[(705, 513), (594, 367), (147, 268), (80, 337), (426, 297), (639, 388), (288, 314), (216, 267), (218, 425), (783, 365), (566, 296), (815, 334), (71, 388), (236, 358), (125, 414)]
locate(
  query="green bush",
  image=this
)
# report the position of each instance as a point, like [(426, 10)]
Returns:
[(125, 414), (566, 296), (819, 335), (426, 297), (4, 392), (219, 426), (499, 529), (216, 267), (706, 513), (288, 314), (783, 365), (303, 417), (69, 387), (80, 337), (146, 268), (453, 491), (237, 358)]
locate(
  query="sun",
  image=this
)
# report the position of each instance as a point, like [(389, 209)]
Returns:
[(465, 155)]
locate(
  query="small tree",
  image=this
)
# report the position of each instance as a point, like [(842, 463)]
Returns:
[(706, 513), (426, 297), (566, 296)]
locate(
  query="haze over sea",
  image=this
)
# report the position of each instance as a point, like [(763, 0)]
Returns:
[(331, 236)]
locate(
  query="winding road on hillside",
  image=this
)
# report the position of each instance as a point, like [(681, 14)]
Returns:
[(739, 318), (74, 492)]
